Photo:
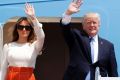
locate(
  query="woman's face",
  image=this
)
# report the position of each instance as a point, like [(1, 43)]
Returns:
[(23, 29)]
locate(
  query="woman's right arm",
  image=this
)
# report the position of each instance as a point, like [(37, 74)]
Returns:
[(4, 62), (30, 12)]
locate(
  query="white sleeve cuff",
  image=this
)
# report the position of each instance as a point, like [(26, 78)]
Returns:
[(66, 19), (36, 23)]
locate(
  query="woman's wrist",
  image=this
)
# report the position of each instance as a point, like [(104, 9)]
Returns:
[(32, 17)]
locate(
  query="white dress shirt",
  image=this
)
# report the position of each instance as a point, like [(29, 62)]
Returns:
[(94, 49), (94, 52)]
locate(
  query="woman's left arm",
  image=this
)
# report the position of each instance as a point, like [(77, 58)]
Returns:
[(29, 10)]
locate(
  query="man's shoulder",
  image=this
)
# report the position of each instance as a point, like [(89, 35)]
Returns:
[(105, 41)]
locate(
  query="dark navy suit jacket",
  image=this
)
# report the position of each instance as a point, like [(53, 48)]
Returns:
[(80, 62)]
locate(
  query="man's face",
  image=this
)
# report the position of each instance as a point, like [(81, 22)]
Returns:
[(91, 25)]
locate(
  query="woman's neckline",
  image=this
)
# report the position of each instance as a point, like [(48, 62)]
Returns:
[(20, 43)]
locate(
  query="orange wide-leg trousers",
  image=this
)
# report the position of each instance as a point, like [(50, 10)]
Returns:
[(20, 73)]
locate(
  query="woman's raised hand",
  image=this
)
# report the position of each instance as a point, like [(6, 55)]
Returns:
[(29, 10)]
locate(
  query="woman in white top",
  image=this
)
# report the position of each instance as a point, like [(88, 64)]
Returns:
[(19, 56)]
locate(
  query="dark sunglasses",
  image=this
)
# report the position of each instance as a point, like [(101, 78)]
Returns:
[(21, 27)]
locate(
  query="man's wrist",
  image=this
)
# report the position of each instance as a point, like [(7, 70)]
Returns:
[(66, 19), (68, 13)]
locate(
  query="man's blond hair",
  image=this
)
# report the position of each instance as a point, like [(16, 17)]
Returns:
[(91, 14)]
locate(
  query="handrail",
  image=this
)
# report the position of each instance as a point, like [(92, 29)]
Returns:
[(6, 4)]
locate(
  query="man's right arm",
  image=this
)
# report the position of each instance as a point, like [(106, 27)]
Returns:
[(65, 21), (66, 30), (72, 8)]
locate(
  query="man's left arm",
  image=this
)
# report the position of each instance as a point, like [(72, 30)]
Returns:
[(112, 66)]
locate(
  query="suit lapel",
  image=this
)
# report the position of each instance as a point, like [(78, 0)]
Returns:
[(100, 48), (86, 45), (88, 53)]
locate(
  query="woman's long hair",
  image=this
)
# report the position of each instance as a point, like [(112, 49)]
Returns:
[(15, 34)]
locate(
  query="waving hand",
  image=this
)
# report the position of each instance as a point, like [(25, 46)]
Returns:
[(29, 10), (74, 7)]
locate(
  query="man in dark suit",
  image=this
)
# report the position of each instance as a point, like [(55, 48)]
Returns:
[(87, 49)]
